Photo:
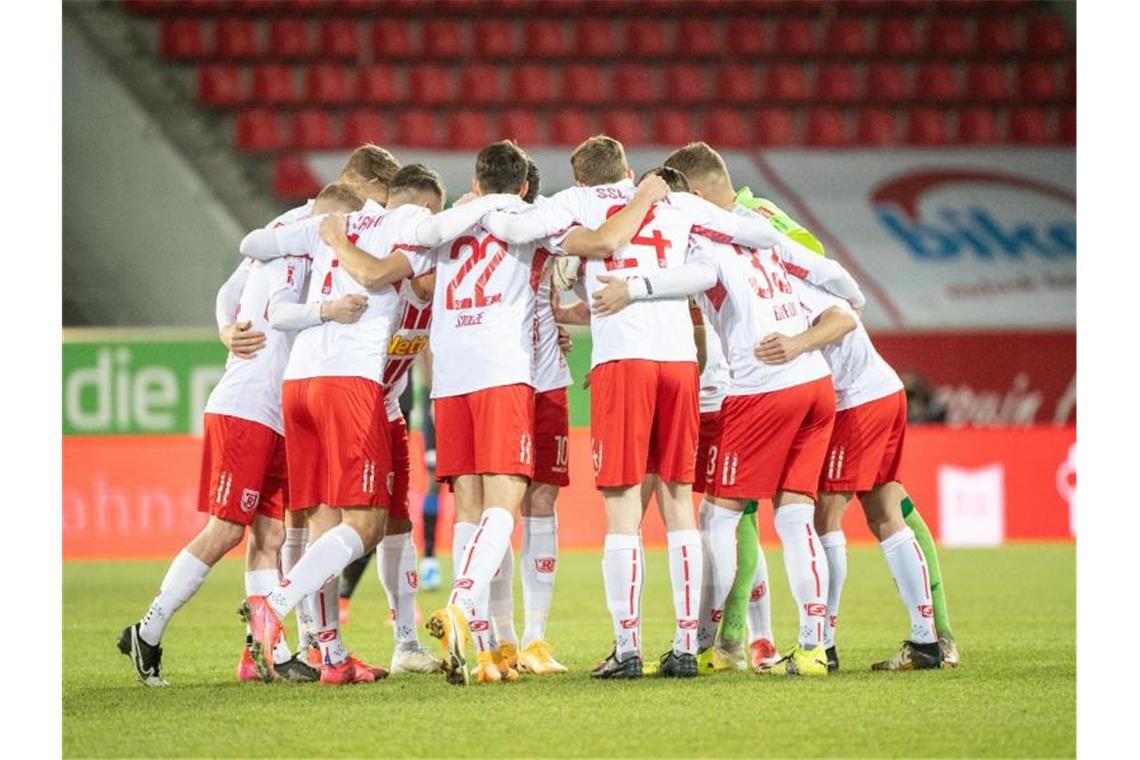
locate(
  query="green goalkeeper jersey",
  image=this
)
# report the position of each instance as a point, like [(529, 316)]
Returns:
[(780, 220)]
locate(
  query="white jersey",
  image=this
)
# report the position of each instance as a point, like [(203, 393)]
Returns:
[(333, 349), (752, 298), (859, 373), (409, 339), (550, 370), (483, 311), (715, 378)]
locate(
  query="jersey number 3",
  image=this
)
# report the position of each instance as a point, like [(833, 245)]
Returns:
[(479, 250)]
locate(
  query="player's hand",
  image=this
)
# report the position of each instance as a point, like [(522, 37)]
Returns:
[(346, 309), (613, 297), (334, 229), (777, 349), (653, 187), (564, 342), (465, 198), (241, 340)]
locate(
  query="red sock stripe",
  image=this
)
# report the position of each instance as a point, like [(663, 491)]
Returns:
[(685, 572), (922, 562), (811, 544), (815, 573), (321, 602), (472, 545), (633, 583)]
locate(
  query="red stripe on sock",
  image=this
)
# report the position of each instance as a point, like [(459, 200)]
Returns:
[(633, 582), (815, 573), (922, 562), (471, 553), (324, 622), (811, 544)]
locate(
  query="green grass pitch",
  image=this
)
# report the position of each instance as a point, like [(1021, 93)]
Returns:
[(1014, 696)]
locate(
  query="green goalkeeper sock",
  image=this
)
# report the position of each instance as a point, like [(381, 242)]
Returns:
[(926, 542), (734, 625)]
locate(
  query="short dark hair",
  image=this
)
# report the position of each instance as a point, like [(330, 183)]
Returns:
[(599, 160), (697, 161), (500, 168), (673, 178), (338, 196), (373, 163), (417, 178), (533, 180)]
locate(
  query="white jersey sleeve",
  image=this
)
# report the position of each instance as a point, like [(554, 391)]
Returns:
[(228, 300), (547, 218)]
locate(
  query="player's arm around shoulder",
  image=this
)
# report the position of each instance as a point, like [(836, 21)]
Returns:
[(620, 228), (371, 272), (829, 327)]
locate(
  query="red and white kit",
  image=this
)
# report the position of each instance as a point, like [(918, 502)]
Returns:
[(551, 378), (714, 385), (866, 444)]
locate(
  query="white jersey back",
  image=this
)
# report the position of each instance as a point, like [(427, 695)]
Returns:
[(859, 373), (658, 330), (715, 378), (482, 311), (409, 339), (550, 370)]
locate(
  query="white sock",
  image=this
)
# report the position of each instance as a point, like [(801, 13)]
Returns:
[(718, 547), (260, 583), (539, 562), (623, 568), (333, 650), (459, 538), (908, 567), (481, 559), (296, 539), (396, 566), (325, 558), (685, 572), (502, 600), (806, 567), (759, 602), (182, 580), (835, 547)]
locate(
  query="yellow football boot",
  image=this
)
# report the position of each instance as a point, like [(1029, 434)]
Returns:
[(449, 626), (538, 657)]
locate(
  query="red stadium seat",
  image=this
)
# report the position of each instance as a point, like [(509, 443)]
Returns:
[(996, 36), (1029, 126), (430, 85), (235, 38), (1046, 35), (362, 127), (698, 38), (749, 37), (570, 127), (896, 36), (1067, 126), (314, 130), (797, 36), (846, 36), (673, 128), (887, 82), (481, 84), (417, 129), (987, 82), (533, 84), (838, 82), (735, 83), (520, 126), (634, 83), (828, 129), (379, 84), (926, 127), (937, 82), (259, 131), (596, 38), (1038, 81), (585, 85), (726, 129), (394, 39), (328, 84), (494, 39), (685, 83), (293, 180), (877, 127), (182, 38), (339, 38), (1070, 81), (647, 38), (625, 126), (947, 35), (273, 85), (978, 126), (443, 38), (786, 82), (775, 127), (546, 39), (289, 38), (468, 130), (220, 85)]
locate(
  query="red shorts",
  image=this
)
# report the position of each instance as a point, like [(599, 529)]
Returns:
[(401, 469), (552, 438), (866, 446), (486, 432), (773, 441), (243, 470), (337, 443), (705, 464), (644, 417)]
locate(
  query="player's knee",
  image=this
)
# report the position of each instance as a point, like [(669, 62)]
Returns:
[(830, 511), (397, 527), (540, 500), (369, 525), (267, 535), (218, 538)]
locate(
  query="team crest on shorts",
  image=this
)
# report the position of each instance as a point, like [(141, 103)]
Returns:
[(249, 500)]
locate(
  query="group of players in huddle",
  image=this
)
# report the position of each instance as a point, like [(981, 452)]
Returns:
[(728, 359)]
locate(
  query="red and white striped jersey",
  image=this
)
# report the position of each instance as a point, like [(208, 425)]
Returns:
[(409, 339)]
